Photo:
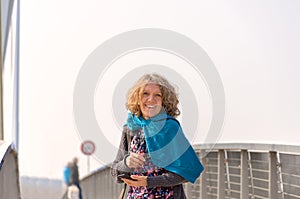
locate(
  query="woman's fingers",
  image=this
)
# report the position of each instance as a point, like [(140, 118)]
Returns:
[(133, 163), (140, 181), (138, 159), (135, 160)]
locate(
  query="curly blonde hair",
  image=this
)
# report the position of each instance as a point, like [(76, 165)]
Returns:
[(169, 97)]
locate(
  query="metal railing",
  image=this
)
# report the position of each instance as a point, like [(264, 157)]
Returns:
[(231, 171)]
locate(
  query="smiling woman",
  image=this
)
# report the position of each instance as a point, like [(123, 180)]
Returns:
[(154, 153)]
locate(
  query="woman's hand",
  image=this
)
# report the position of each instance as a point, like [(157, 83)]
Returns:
[(135, 160), (139, 181)]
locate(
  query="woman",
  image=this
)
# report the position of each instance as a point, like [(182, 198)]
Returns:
[(153, 149)]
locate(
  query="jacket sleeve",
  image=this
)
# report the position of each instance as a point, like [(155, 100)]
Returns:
[(118, 165), (166, 180)]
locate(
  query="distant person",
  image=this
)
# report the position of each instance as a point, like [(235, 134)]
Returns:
[(73, 192), (67, 174), (66, 178), (74, 177)]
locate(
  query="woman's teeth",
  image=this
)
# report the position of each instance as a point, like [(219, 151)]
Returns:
[(150, 106)]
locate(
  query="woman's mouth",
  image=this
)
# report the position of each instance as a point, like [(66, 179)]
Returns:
[(150, 106)]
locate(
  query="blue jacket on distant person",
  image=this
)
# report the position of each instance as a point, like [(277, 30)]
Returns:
[(67, 174)]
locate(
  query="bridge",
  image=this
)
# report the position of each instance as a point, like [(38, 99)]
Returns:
[(232, 171)]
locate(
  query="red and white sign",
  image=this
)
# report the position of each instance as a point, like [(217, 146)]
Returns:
[(88, 147)]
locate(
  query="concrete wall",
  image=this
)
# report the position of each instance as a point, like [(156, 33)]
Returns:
[(9, 173)]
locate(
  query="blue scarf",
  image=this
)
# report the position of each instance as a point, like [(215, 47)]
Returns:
[(167, 145)]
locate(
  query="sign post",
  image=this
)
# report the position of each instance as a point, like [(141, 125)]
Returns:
[(88, 148)]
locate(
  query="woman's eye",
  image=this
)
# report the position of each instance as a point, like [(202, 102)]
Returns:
[(158, 95)]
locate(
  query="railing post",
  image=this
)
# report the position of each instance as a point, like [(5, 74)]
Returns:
[(244, 189), (273, 186), (221, 176), (203, 178), (189, 190)]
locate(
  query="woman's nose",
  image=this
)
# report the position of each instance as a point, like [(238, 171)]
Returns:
[(151, 98)]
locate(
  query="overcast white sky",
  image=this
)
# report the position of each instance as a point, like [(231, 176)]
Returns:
[(254, 45)]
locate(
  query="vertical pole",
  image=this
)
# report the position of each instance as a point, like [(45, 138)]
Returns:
[(273, 186), (88, 164), (251, 174), (1, 81), (227, 173), (244, 192), (203, 179), (16, 81), (221, 176), (280, 180)]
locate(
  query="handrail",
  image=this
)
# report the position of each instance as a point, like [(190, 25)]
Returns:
[(282, 148)]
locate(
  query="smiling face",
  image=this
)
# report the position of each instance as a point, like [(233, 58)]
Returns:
[(150, 101)]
